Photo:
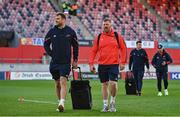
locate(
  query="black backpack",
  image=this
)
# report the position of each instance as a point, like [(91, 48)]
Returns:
[(116, 36)]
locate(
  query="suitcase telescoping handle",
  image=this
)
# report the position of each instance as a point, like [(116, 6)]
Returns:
[(79, 73)]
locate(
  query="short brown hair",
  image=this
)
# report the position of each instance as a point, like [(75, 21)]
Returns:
[(107, 19), (61, 14), (139, 41)]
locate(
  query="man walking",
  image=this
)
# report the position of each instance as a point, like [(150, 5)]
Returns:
[(112, 52), (160, 62), (57, 44), (138, 59)]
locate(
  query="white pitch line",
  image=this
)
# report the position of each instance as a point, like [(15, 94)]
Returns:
[(37, 101)]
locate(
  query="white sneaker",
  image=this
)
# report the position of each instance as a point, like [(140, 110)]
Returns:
[(105, 109), (61, 108), (159, 94), (112, 107), (166, 92)]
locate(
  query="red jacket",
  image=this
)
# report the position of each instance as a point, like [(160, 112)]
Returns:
[(108, 50)]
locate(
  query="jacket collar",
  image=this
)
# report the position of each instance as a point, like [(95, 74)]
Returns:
[(60, 27)]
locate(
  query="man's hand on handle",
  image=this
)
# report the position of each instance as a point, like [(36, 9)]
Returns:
[(75, 65)]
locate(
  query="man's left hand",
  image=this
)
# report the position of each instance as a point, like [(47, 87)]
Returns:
[(75, 65), (122, 67), (164, 63)]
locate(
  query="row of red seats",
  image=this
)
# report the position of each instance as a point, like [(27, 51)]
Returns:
[(130, 18), (168, 10), (29, 18)]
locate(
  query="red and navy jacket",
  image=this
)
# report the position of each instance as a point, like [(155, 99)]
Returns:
[(108, 50), (58, 43), (159, 58)]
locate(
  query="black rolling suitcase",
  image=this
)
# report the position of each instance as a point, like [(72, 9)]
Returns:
[(130, 83), (80, 92)]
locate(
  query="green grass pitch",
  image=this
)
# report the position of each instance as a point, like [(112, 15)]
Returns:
[(149, 104)]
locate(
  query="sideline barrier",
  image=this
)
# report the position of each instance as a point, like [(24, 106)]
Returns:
[(174, 75), (2, 75), (86, 75)]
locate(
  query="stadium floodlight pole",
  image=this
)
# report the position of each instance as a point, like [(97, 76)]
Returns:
[(21, 99)]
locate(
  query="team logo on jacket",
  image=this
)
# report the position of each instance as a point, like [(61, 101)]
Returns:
[(54, 35), (68, 35)]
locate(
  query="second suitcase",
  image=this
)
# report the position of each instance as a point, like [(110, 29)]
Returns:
[(81, 93), (130, 84)]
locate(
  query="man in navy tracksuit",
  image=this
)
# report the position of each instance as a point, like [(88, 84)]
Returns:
[(138, 59), (57, 44), (160, 62)]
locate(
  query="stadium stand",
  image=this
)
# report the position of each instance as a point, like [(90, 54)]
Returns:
[(33, 18), (29, 18), (130, 18), (168, 10)]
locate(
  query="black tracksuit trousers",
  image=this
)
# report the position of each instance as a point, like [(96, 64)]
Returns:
[(162, 75)]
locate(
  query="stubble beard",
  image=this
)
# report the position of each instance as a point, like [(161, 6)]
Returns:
[(106, 30)]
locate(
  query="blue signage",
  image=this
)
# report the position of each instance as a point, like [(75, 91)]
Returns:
[(2, 75), (38, 41), (175, 75), (171, 44)]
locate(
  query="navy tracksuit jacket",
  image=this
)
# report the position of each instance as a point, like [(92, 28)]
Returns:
[(138, 59), (158, 59), (61, 40)]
